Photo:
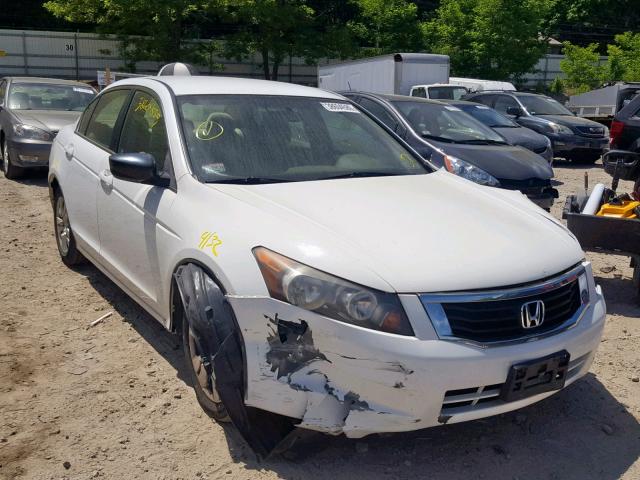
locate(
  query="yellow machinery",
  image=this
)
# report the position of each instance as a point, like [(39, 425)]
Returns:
[(620, 209)]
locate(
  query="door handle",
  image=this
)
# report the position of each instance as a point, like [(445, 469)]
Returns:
[(106, 179), (68, 151)]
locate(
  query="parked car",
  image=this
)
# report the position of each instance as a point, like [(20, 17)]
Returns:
[(512, 132), (32, 111), (625, 144), (573, 138), (452, 139), (321, 273)]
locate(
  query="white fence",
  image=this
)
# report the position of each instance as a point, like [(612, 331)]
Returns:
[(80, 55)]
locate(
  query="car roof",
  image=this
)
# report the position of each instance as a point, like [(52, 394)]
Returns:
[(394, 98), (53, 81), (462, 102), (212, 85)]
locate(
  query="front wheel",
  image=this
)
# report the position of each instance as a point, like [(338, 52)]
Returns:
[(64, 235), (199, 366), (10, 170)]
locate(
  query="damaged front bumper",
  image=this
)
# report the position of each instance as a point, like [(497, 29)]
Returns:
[(339, 378)]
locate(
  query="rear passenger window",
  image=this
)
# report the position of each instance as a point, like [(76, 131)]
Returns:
[(143, 129), (419, 92), (100, 128)]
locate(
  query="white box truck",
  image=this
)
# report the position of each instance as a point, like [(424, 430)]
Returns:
[(388, 74)]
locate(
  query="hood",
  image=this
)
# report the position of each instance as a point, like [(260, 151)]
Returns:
[(505, 162), (570, 120), (523, 137), (418, 233), (50, 120)]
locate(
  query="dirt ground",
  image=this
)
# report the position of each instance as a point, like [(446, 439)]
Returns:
[(110, 401)]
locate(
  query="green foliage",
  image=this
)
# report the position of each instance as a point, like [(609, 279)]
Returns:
[(277, 29), (556, 87), (624, 58), (158, 26), (387, 26), (492, 39), (582, 68)]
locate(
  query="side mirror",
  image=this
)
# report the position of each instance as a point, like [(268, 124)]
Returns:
[(514, 111), (136, 167)]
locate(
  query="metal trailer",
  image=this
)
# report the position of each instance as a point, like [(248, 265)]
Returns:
[(387, 74), (617, 236), (603, 103)]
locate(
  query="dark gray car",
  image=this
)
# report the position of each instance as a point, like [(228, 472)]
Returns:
[(512, 132), (453, 139), (573, 138), (32, 110)]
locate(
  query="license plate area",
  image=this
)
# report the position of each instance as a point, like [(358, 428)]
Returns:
[(536, 376)]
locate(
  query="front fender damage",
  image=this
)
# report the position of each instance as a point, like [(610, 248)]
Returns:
[(211, 319)]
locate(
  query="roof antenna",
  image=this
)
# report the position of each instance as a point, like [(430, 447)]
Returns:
[(349, 85)]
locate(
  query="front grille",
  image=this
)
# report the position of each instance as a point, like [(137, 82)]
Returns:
[(530, 186), (500, 320), (591, 131)]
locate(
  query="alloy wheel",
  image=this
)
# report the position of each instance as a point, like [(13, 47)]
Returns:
[(63, 230), (200, 369)]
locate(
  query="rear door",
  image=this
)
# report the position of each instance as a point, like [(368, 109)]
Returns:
[(128, 212), (86, 152)]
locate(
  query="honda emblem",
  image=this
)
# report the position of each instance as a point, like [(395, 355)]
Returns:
[(532, 314)]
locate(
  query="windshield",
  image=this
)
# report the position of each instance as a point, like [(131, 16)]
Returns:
[(447, 93), (540, 105), (488, 116), (264, 139), (46, 96), (445, 123)]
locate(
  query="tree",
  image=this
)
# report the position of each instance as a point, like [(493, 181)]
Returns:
[(582, 68), (492, 39), (277, 29), (624, 58), (386, 26), (159, 26)]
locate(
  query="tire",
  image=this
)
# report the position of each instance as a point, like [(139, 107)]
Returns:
[(199, 375), (11, 171), (585, 158), (64, 235)]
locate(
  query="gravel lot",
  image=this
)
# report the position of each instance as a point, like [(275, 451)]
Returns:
[(110, 401)]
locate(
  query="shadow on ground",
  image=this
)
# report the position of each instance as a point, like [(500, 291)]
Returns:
[(581, 433)]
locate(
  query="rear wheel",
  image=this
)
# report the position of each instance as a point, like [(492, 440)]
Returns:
[(10, 170), (198, 363), (64, 235)]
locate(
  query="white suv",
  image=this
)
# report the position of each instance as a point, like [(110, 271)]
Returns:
[(322, 275)]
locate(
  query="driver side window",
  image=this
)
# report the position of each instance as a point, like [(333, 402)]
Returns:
[(144, 130)]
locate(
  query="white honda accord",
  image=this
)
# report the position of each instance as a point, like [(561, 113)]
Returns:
[(321, 274)]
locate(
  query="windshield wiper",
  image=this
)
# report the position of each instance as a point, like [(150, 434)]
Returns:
[(482, 142), (251, 180), (361, 174), (435, 137)]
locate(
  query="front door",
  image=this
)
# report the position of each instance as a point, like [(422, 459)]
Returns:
[(87, 151), (128, 212)]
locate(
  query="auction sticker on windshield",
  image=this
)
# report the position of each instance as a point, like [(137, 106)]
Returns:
[(339, 107)]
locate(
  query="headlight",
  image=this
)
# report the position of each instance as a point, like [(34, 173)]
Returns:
[(319, 292), (31, 132), (557, 128), (470, 172)]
